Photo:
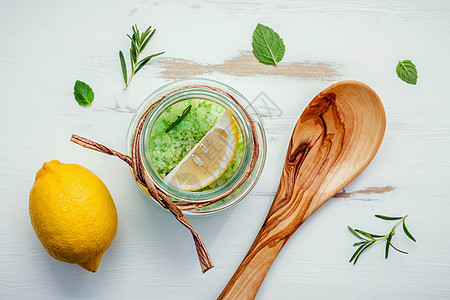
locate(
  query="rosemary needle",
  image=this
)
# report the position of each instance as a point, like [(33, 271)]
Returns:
[(179, 119)]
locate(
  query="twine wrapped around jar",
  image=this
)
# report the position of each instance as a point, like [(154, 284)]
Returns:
[(142, 177)]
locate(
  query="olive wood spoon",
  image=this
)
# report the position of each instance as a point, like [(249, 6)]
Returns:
[(336, 137)]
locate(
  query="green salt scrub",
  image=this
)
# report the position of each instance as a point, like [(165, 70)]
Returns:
[(168, 149)]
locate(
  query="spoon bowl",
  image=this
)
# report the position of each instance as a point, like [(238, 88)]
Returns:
[(334, 140)]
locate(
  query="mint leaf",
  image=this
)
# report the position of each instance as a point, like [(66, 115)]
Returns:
[(407, 71), (267, 45), (83, 93)]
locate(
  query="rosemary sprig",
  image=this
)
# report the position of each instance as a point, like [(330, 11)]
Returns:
[(179, 119), (138, 43), (368, 239)]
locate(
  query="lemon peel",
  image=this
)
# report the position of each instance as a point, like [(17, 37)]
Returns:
[(72, 213)]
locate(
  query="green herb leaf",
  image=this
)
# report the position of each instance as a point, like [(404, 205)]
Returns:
[(83, 93), (362, 250), (150, 57), (180, 118), (135, 33), (401, 251), (355, 233), (141, 65), (267, 45), (145, 33), (369, 235), (133, 54), (148, 39), (408, 234), (388, 243), (123, 65), (133, 41), (388, 218), (144, 61), (360, 243), (357, 252), (407, 71)]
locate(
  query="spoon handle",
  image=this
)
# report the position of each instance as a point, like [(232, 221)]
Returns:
[(281, 222)]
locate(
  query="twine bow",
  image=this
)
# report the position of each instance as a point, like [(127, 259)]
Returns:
[(142, 177)]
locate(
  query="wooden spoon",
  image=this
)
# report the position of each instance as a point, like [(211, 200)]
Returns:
[(336, 137)]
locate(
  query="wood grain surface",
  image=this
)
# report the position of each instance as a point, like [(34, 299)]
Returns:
[(334, 140), (46, 45)]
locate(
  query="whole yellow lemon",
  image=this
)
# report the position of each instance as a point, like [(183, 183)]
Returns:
[(72, 213)]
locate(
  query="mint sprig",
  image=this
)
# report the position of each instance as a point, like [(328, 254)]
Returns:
[(83, 93)]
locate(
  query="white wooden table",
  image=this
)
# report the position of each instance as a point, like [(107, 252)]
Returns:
[(47, 45)]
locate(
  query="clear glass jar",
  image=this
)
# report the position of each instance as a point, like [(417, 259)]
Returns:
[(198, 88)]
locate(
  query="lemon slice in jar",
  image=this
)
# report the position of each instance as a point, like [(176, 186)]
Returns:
[(209, 158)]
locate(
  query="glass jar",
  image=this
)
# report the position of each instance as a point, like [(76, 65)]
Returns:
[(220, 94)]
